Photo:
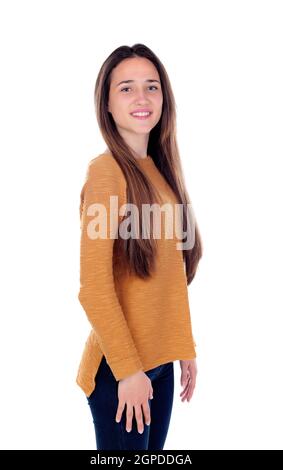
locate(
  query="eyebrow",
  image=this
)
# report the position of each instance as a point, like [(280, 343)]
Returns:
[(150, 80)]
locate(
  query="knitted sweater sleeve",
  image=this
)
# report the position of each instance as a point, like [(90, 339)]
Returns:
[(97, 293)]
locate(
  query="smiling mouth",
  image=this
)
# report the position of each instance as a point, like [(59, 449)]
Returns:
[(141, 115)]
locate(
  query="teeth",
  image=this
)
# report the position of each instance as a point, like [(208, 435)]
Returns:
[(140, 114)]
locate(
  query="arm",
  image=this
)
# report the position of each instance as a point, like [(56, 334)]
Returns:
[(97, 293)]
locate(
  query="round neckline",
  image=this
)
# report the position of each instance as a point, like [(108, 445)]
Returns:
[(146, 159)]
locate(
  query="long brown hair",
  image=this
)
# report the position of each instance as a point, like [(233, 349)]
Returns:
[(140, 253)]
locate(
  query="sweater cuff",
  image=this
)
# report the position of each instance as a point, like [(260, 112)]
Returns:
[(126, 367)]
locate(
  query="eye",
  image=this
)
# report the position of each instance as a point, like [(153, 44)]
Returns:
[(151, 86)]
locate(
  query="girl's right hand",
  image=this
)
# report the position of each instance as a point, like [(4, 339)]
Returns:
[(135, 391)]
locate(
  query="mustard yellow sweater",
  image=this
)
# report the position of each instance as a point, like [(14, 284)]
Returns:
[(136, 324)]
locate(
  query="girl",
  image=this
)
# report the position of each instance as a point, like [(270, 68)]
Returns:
[(133, 284)]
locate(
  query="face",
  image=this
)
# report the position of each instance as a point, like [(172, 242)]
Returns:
[(141, 92)]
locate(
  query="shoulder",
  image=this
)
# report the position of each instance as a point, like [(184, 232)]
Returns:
[(105, 166), (105, 177)]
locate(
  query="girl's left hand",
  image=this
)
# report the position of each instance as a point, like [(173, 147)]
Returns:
[(188, 378)]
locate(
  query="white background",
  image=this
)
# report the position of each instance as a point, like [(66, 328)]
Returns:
[(224, 60)]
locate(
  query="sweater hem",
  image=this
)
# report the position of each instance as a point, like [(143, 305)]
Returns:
[(88, 386)]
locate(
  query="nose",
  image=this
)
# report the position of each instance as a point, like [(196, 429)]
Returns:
[(141, 96)]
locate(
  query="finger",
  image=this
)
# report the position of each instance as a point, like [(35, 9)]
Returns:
[(139, 418), (186, 383), (129, 417), (188, 390), (184, 378), (146, 413), (185, 392), (191, 391), (121, 406)]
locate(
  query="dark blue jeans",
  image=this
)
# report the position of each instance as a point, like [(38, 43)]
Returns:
[(103, 404)]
